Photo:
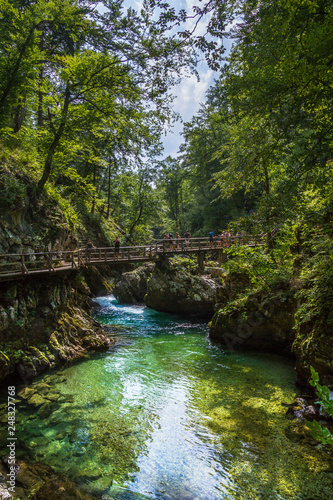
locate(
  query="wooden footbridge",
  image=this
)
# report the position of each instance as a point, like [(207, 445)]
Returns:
[(21, 265)]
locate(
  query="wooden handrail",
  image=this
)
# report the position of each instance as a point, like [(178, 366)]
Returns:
[(23, 264)]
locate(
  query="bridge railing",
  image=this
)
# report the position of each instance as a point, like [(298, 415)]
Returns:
[(107, 254), (26, 263), (22, 264), (205, 242)]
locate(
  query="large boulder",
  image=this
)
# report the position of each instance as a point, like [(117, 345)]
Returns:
[(172, 288), (260, 322), (132, 287)]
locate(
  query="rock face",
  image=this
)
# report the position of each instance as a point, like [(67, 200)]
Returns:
[(44, 321), (266, 322), (171, 288), (133, 285), (260, 324), (16, 235), (258, 321), (313, 346)]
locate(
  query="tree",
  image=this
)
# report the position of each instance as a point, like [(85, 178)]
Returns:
[(172, 176)]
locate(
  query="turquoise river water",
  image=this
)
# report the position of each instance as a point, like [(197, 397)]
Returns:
[(167, 414)]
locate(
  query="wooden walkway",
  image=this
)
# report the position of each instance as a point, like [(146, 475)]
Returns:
[(20, 265)]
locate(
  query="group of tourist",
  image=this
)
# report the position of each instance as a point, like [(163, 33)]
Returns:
[(170, 242), (224, 238)]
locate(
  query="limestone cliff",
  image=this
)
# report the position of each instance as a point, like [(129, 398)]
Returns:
[(172, 288), (266, 321), (260, 322), (132, 287), (168, 286), (44, 321)]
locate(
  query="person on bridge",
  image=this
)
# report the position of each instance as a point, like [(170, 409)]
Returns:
[(211, 237), (116, 248), (187, 236), (165, 241), (170, 236), (228, 238), (89, 248)]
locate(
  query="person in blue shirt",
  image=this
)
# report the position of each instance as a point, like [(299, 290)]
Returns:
[(116, 248), (211, 237)]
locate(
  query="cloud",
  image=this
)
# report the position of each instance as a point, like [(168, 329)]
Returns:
[(190, 93)]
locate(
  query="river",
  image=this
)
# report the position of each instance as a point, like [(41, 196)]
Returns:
[(167, 414)]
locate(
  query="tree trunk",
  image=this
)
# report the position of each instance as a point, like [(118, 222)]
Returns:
[(109, 189), (54, 144), (18, 116), (94, 195), (137, 219), (40, 100), (15, 69), (270, 242), (40, 83)]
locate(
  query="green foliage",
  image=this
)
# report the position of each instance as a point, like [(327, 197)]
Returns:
[(319, 432), (86, 92), (98, 228), (70, 219), (13, 192), (317, 296), (265, 270), (188, 263)]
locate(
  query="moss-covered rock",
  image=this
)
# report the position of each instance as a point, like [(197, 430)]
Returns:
[(313, 346), (258, 322), (172, 288), (40, 482), (132, 287), (44, 321), (98, 279), (5, 365)]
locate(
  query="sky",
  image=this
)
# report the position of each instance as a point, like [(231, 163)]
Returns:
[(190, 93)]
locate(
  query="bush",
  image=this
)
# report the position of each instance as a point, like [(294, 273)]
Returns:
[(13, 192)]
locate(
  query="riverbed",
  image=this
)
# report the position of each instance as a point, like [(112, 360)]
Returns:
[(167, 414)]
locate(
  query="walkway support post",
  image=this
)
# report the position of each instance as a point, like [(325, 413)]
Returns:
[(201, 261), (222, 257)]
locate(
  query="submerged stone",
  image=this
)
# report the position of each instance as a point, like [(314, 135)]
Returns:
[(101, 485), (26, 392), (52, 396), (42, 388), (36, 400)]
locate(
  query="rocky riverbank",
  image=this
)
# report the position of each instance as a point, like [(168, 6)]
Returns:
[(266, 320), (258, 320), (45, 321)]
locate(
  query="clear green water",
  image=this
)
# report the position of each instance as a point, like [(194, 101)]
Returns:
[(166, 414)]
